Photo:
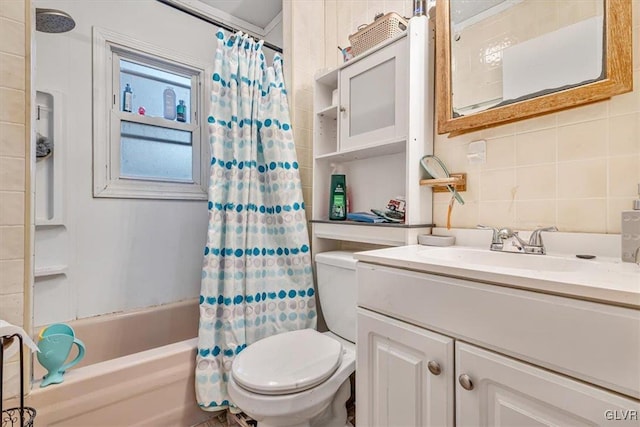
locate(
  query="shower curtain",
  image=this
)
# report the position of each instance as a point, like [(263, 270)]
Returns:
[(256, 279)]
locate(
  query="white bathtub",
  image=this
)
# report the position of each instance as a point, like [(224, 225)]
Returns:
[(138, 371)]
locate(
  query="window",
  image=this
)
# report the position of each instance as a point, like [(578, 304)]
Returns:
[(147, 128)]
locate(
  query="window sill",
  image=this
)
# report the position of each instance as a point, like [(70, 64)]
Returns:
[(139, 189)]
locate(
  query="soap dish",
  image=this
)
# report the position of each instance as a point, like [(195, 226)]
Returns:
[(434, 240)]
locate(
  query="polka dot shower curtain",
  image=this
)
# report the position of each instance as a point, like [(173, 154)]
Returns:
[(256, 278)]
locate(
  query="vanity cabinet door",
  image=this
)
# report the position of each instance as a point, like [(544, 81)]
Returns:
[(494, 390), (373, 98), (405, 374)]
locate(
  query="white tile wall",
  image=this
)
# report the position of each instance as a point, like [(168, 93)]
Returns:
[(13, 39)]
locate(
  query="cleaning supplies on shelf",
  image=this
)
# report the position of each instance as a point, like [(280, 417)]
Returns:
[(338, 198), (169, 104), (394, 211), (127, 99)]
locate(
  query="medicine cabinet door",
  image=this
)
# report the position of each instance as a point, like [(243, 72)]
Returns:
[(373, 98)]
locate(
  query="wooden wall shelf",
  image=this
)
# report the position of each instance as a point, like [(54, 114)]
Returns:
[(459, 180)]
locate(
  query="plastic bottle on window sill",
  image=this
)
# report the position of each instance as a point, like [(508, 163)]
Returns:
[(182, 111), (127, 99), (169, 101)]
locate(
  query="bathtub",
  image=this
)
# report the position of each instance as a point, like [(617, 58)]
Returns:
[(138, 371)]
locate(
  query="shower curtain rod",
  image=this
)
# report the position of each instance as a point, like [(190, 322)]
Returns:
[(205, 18)]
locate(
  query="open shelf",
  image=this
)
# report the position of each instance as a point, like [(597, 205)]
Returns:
[(328, 77), (330, 112), (52, 270), (365, 152), (376, 144), (381, 233)]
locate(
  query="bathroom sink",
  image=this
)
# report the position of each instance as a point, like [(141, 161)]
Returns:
[(487, 258), (600, 279)]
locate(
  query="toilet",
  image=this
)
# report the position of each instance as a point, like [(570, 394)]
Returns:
[(301, 378)]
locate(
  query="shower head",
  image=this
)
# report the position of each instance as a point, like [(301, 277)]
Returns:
[(53, 21)]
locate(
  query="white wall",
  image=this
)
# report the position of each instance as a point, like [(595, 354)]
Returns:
[(274, 37), (120, 253)]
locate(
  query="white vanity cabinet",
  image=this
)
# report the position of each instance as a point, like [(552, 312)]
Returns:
[(504, 392), (522, 358), (373, 98), (405, 376)]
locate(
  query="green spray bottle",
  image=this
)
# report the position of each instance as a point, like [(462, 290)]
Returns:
[(338, 198)]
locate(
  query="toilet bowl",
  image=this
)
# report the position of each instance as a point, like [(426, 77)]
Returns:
[(301, 378)]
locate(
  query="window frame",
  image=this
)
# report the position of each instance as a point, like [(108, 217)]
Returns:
[(108, 48)]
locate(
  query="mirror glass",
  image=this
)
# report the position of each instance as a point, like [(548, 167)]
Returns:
[(498, 61), (505, 51)]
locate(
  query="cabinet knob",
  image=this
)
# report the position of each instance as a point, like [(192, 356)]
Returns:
[(343, 109), (465, 382), (434, 367)]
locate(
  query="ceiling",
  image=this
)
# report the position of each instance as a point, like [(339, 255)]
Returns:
[(257, 12)]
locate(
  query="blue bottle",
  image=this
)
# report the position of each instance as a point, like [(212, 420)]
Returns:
[(182, 111), (127, 99)]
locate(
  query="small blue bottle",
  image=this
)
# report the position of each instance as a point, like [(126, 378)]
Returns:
[(127, 99), (182, 111)]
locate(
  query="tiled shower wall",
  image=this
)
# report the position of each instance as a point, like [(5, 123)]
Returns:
[(576, 169), (14, 182)]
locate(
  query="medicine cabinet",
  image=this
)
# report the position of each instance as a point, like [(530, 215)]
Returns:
[(373, 98)]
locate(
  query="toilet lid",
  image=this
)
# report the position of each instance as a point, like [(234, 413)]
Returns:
[(287, 363)]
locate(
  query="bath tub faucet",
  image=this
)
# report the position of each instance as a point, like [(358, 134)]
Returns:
[(507, 240)]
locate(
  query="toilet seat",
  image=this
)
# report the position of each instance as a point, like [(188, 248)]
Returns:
[(287, 363)]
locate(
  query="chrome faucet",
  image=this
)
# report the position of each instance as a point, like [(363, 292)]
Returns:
[(507, 240)]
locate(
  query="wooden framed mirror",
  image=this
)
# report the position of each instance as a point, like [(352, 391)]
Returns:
[(499, 61)]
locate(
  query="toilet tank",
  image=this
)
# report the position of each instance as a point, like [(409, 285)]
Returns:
[(336, 273)]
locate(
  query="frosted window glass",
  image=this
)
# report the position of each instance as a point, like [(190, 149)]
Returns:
[(155, 152), (148, 85), (372, 99)]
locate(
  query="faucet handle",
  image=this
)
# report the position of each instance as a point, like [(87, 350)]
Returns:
[(536, 236), (505, 233), (495, 238)]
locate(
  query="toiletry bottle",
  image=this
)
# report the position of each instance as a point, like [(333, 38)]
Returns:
[(169, 103), (127, 99), (630, 232), (338, 198), (182, 111)]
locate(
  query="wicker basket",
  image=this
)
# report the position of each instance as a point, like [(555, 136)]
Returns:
[(383, 28)]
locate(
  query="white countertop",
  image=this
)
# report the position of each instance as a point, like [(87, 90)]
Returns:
[(603, 279)]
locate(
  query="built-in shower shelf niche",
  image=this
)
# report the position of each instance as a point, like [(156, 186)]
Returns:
[(52, 270), (49, 164)]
